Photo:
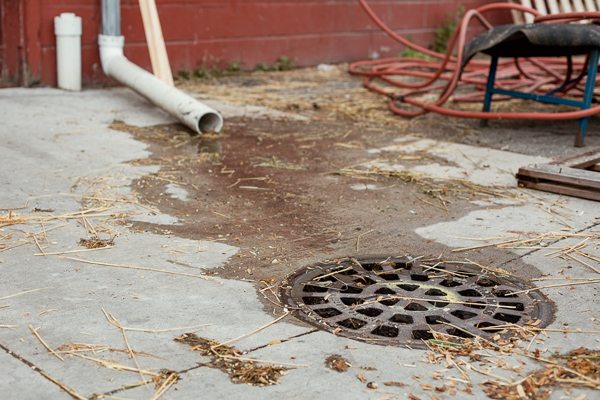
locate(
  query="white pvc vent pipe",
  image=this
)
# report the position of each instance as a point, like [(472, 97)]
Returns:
[(67, 28), (192, 113)]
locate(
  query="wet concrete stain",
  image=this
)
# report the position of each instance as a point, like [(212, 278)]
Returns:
[(270, 188)]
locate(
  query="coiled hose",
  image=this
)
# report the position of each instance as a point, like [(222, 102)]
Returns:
[(529, 75)]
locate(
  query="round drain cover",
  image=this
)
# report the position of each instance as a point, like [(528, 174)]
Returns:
[(400, 300)]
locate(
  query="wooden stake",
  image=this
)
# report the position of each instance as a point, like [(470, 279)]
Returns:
[(156, 42)]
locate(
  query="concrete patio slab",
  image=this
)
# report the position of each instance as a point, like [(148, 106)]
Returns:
[(58, 151)]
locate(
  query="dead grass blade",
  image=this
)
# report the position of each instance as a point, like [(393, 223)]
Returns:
[(172, 378), (254, 331), (116, 323), (551, 286), (114, 366), (37, 335), (207, 278), (112, 201), (25, 292)]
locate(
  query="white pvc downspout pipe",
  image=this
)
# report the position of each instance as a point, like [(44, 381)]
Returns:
[(67, 28), (192, 113)]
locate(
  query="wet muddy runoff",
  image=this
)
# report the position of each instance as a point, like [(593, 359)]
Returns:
[(277, 190)]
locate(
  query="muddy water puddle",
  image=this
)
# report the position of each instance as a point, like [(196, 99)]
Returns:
[(273, 189)]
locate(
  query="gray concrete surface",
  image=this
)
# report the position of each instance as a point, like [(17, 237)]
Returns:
[(56, 146)]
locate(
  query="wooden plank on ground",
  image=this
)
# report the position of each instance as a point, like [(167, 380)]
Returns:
[(577, 175), (561, 189), (580, 160), (556, 173), (156, 42)]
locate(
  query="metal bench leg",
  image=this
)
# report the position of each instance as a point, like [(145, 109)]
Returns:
[(588, 95), (487, 102)]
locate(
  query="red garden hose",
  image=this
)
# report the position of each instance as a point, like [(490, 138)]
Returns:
[(527, 74)]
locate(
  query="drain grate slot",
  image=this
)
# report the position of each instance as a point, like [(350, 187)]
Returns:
[(351, 301), (399, 301), (312, 301), (408, 287), (436, 319), (462, 314), (402, 319), (514, 306), (370, 312), (386, 331), (510, 318), (449, 283), (351, 290), (352, 323), (314, 289), (328, 312)]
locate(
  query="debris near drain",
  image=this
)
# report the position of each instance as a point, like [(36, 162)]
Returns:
[(228, 360), (337, 363), (581, 369), (393, 383)]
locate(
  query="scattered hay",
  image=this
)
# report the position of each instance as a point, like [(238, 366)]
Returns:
[(227, 359), (96, 243), (163, 382), (325, 96), (274, 162)]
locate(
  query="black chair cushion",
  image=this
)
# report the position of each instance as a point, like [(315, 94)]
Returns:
[(535, 40)]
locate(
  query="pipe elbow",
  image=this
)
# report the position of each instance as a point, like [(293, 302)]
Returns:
[(110, 47)]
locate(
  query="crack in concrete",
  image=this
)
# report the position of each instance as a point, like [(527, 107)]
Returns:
[(282, 341), (40, 371)]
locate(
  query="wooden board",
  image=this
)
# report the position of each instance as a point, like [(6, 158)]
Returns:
[(577, 175), (156, 42)]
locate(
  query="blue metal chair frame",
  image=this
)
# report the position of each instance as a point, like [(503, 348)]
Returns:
[(584, 104)]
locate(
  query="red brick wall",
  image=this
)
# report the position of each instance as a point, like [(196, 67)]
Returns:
[(247, 31)]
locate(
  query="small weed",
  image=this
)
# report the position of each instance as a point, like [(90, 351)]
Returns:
[(446, 30), (263, 67), (234, 66), (211, 67), (410, 53), (184, 73), (284, 63)]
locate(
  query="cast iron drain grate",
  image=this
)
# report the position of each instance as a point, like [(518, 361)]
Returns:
[(400, 300)]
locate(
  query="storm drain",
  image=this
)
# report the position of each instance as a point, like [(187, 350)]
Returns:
[(400, 300)]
